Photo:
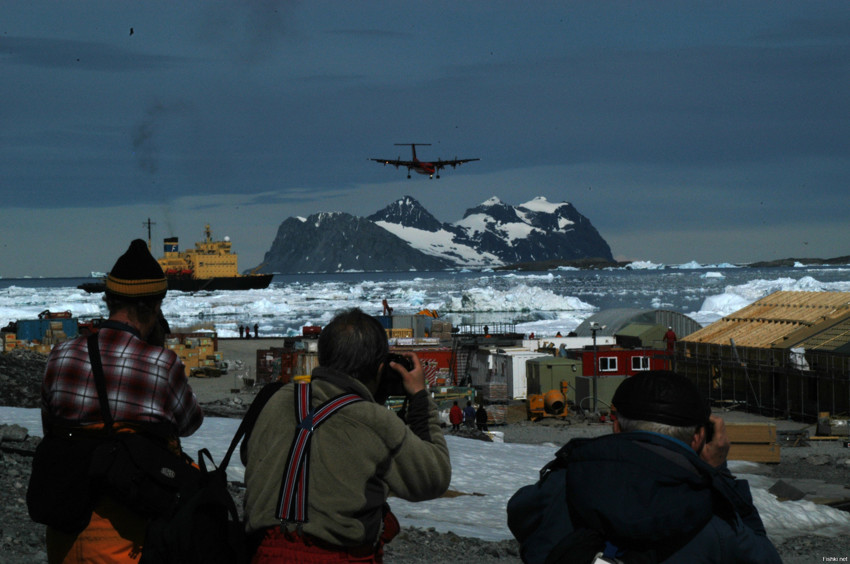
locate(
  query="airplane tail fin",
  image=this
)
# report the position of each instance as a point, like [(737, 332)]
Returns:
[(413, 147)]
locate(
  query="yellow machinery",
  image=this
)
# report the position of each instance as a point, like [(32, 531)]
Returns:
[(551, 404)]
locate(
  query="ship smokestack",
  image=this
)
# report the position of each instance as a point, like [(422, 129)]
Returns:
[(170, 245)]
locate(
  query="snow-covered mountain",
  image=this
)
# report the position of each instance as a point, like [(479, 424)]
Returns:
[(337, 242), (405, 236), (409, 221), (537, 230)]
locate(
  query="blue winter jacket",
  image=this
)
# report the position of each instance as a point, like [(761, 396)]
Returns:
[(644, 494)]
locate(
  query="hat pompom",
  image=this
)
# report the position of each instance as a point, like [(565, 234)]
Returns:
[(137, 274)]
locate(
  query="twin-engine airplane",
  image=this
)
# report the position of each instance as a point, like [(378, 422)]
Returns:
[(422, 167)]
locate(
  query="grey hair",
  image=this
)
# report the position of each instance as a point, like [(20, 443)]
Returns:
[(684, 434)]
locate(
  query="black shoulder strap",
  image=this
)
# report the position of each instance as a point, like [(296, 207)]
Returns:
[(99, 380), (250, 420)]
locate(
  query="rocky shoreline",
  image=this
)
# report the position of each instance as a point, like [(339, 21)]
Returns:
[(22, 541)]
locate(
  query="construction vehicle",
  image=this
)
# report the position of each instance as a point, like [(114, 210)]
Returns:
[(551, 404)]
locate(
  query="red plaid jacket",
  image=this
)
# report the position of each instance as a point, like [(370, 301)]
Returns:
[(144, 383)]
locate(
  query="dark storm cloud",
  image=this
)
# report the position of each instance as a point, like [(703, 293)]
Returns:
[(77, 55), (683, 108), (144, 137), (370, 33), (291, 197), (249, 31), (812, 30), (333, 79), (689, 106)]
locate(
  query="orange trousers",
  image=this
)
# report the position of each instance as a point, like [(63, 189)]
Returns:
[(115, 535)]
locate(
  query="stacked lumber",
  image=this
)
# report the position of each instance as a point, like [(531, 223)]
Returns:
[(754, 442)]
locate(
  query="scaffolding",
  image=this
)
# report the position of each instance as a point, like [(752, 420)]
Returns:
[(496, 328), (770, 381)]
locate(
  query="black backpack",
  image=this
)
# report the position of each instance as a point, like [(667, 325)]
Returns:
[(205, 527)]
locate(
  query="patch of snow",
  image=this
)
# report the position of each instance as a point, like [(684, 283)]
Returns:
[(440, 244), (563, 222), (541, 204), (475, 223)]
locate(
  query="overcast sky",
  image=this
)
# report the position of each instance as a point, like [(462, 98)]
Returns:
[(707, 131)]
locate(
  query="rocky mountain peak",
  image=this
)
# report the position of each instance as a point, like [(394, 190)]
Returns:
[(318, 219), (407, 212)]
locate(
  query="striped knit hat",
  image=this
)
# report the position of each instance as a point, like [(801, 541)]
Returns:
[(136, 274)]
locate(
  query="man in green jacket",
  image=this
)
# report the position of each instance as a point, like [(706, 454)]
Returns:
[(351, 460)]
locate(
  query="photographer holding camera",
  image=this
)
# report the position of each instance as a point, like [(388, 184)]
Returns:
[(657, 490), (324, 456)]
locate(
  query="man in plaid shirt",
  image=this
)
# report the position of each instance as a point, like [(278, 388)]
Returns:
[(146, 386)]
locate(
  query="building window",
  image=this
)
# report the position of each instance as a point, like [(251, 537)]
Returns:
[(640, 363), (608, 364)]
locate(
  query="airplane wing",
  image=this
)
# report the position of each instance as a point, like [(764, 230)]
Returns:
[(395, 162), (453, 163)]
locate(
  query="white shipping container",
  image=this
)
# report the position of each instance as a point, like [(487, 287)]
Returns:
[(505, 366)]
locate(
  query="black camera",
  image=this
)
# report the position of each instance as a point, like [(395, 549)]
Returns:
[(392, 383), (709, 432), (400, 359)]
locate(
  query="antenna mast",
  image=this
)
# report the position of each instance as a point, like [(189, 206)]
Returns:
[(148, 224)]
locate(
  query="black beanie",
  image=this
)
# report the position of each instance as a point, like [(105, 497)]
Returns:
[(663, 397), (137, 274)]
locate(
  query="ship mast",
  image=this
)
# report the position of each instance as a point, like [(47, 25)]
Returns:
[(148, 224)]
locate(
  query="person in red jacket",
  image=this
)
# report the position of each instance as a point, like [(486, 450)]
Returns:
[(670, 339), (455, 417)]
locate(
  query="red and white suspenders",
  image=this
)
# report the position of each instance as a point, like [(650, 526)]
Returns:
[(292, 502)]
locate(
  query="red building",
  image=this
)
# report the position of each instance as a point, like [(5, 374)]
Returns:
[(613, 361)]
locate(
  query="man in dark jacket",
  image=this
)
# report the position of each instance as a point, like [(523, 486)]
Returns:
[(481, 417), (469, 416), (657, 490)]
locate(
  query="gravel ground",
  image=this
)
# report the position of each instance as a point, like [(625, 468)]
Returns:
[(22, 541)]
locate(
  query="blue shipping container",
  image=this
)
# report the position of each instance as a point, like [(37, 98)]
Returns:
[(35, 329), (386, 321)]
